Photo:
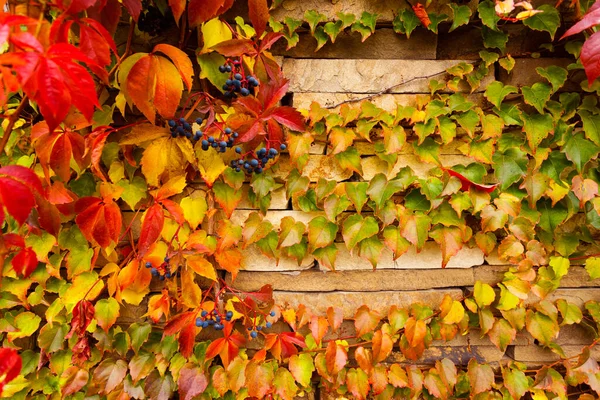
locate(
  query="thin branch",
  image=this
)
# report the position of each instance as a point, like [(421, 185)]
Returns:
[(385, 91), (11, 123)]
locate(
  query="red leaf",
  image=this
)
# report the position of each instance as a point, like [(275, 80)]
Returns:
[(99, 220), (94, 145), (10, 366), (258, 11), (288, 117), (16, 185), (421, 13), (200, 11), (192, 382), (177, 7), (235, 47), (589, 20), (226, 347), (107, 13), (96, 42), (179, 322), (187, 339), (76, 6), (590, 57), (175, 210), (467, 184), (83, 314), (269, 40), (25, 262), (274, 132), (154, 221), (134, 7), (283, 345), (271, 94), (57, 148)]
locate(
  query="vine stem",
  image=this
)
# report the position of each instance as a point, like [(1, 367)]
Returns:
[(11, 123)]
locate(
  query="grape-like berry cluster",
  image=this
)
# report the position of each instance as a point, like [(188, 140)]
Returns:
[(255, 162), (212, 318), (182, 128), (163, 271), (255, 329), (238, 82)]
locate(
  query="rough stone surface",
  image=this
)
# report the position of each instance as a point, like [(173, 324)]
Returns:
[(429, 258), (349, 302), (355, 281), (577, 297), (254, 260), (387, 102), (318, 166), (383, 44), (493, 259), (279, 200), (532, 355), (524, 73), (366, 76), (239, 216), (458, 355)]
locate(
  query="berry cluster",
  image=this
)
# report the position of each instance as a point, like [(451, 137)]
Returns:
[(238, 82), (255, 329), (183, 128), (255, 162), (163, 271), (225, 140), (213, 319)]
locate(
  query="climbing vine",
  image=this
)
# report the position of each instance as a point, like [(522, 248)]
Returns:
[(125, 163)]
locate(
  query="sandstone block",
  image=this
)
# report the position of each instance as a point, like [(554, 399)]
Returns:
[(460, 356), (349, 302), (318, 166), (254, 260), (383, 44), (239, 216), (577, 276), (534, 355), (367, 76), (355, 281)]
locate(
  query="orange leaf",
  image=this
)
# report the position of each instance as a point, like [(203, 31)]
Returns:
[(336, 357), (335, 315), (365, 320), (99, 220), (180, 59), (421, 13), (318, 328), (202, 266), (258, 11), (151, 228)]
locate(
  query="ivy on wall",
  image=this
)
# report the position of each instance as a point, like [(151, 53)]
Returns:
[(99, 139)]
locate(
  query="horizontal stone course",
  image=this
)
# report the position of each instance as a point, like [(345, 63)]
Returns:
[(367, 76), (349, 302), (576, 277), (355, 281)]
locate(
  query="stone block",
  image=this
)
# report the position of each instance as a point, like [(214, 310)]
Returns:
[(577, 297), (383, 44), (318, 166), (460, 356), (524, 73), (387, 102), (239, 216), (254, 260), (355, 281), (279, 200), (349, 302), (493, 259), (429, 258), (367, 76), (535, 355)]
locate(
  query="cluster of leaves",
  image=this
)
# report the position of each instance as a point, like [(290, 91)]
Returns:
[(488, 13), (92, 210)]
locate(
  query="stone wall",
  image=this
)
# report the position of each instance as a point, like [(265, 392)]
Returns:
[(349, 70)]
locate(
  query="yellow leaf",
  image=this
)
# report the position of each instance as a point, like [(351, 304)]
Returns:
[(456, 313), (213, 33), (194, 210), (210, 164), (144, 133), (173, 186), (166, 158), (202, 267), (191, 295), (230, 307)]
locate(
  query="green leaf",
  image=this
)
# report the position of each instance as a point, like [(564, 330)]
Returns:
[(139, 333), (406, 22), (291, 232), (333, 29), (371, 249), (592, 266), (350, 159), (52, 336), (428, 151), (314, 18), (460, 15), (487, 14), (537, 95), (284, 384), (551, 216), (468, 121), (560, 266), (435, 20), (496, 92), (357, 228), (508, 63), (541, 327), (494, 39), (488, 57), (555, 165), (25, 325), (209, 69), (416, 201), (516, 382), (537, 127), (135, 191), (321, 232), (395, 241), (591, 126), (107, 312), (502, 333), (301, 366), (571, 313), (548, 20), (580, 150), (510, 166), (557, 76)]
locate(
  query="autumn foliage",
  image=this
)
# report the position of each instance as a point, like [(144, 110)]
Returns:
[(123, 164)]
